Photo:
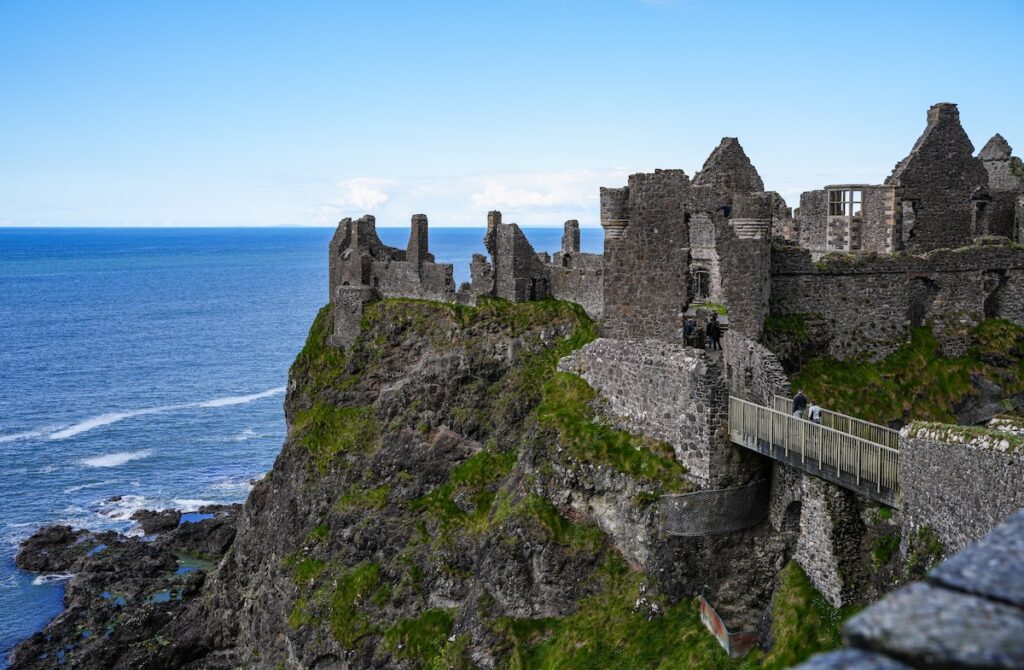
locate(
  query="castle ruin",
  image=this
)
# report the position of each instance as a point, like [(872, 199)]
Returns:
[(939, 243)]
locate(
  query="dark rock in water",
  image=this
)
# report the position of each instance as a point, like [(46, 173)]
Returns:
[(123, 591), (157, 522), (209, 537)]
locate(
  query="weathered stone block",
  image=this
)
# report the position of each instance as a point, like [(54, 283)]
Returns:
[(933, 627)]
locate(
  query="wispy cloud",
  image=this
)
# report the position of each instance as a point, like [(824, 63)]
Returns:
[(529, 198)]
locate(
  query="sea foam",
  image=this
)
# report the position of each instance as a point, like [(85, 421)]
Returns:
[(64, 432), (241, 399), (115, 459)]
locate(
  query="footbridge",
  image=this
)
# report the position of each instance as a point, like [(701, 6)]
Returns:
[(850, 452)]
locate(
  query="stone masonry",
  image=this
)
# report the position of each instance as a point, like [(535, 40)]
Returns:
[(940, 181), (361, 268), (671, 393), (828, 547), (940, 471)]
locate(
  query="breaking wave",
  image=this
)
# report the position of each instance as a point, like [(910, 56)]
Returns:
[(106, 420), (49, 579), (241, 399), (115, 459), (92, 423)]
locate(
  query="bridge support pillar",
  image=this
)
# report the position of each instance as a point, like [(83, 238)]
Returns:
[(828, 549)]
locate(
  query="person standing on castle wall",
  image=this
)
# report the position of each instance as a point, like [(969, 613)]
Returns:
[(814, 412), (799, 404), (688, 331), (714, 332)]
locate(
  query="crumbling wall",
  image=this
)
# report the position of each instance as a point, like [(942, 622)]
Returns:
[(868, 303), (940, 471), (828, 548), (969, 613), (729, 170), (754, 373), (704, 257), (668, 392), (575, 276), (646, 268), (939, 178), (812, 221), (361, 268), (744, 247), (1005, 183), (518, 273)]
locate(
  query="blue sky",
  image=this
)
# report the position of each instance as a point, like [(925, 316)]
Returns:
[(200, 113)]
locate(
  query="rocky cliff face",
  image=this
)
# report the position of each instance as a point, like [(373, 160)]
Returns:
[(445, 498)]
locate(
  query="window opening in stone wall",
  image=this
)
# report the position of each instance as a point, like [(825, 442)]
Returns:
[(843, 202), (700, 284)]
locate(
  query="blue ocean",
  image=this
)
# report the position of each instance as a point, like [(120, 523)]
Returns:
[(146, 368)]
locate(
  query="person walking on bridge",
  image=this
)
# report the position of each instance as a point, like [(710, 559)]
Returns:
[(814, 412), (799, 404)]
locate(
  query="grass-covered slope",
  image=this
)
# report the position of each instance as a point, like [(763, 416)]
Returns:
[(916, 382), (428, 510)]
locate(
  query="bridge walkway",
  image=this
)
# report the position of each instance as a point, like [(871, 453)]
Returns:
[(852, 453)]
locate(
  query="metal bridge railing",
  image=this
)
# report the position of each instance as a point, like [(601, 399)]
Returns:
[(850, 425), (810, 445)]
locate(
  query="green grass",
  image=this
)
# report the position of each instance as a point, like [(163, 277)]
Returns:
[(566, 408), (354, 587), (715, 307), (926, 550), (608, 633), (578, 537), (915, 381), (304, 569), (803, 622), (884, 549), (423, 638), (472, 478), (327, 430), (359, 498), (605, 633), (319, 364), (787, 327), (320, 533)]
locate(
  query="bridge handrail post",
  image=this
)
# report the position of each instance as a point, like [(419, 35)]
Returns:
[(879, 477), (803, 444), (860, 453)]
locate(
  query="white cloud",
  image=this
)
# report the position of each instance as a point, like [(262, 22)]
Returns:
[(528, 198), (363, 192)]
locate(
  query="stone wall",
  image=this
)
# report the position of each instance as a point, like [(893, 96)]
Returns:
[(744, 245), (868, 303), (646, 269), (668, 392), (938, 179), (828, 548), (940, 471), (876, 228), (519, 274), (728, 170), (812, 221), (754, 373), (1005, 183), (362, 268), (704, 257)]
